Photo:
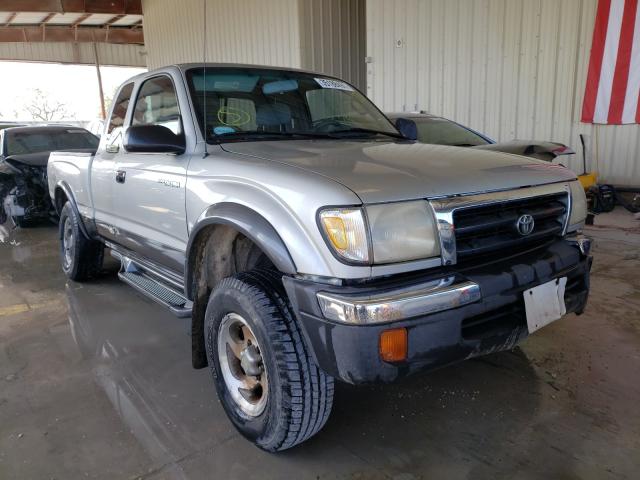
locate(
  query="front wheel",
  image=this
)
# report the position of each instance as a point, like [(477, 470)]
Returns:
[(269, 386), (81, 257)]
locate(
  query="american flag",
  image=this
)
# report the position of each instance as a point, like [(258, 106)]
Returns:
[(613, 80)]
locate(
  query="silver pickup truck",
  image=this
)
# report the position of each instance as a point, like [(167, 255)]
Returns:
[(309, 240)]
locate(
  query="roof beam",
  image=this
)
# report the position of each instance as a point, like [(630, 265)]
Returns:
[(10, 19), (47, 18), (66, 34), (111, 21), (80, 19), (117, 7)]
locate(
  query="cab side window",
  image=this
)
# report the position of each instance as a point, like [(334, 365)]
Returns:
[(157, 104), (120, 107)]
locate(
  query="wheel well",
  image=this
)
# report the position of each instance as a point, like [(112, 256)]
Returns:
[(219, 251), (60, 198)]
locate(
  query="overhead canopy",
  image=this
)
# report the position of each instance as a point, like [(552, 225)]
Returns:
[(58, 30), (71, 21)]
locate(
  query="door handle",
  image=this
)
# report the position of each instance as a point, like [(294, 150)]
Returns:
[(121, 176), (112, 148)]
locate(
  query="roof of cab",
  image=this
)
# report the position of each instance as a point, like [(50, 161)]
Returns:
[(183, 67)]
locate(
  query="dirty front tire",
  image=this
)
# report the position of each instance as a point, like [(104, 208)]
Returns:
[(80, 257), (298, 395)]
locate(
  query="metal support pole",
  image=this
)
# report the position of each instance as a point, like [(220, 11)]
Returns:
[(102, 109)]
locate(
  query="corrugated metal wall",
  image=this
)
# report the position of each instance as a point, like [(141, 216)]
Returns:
[(509, 68), (243, 31), (78, 53), (334, 38)]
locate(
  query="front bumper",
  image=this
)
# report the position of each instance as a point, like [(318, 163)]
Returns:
[(462, 326)]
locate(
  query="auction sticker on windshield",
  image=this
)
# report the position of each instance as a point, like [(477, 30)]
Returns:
[(335, 84)]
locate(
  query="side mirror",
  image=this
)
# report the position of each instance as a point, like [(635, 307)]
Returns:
[(153, 139), (407, 128)]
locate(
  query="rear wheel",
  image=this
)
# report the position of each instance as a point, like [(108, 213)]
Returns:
[(81, 257), (269, 386)]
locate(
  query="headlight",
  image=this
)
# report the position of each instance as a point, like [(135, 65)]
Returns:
[(345, 230), (397, 232), (578, 205), (402, 231)]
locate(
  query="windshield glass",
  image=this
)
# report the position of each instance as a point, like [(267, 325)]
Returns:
[(248, 103), (440, 131), (20, 143)]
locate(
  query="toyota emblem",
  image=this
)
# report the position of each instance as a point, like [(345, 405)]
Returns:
[(525, 224)]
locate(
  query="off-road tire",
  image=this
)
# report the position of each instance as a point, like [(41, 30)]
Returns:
[(86, 256), (300, 395)]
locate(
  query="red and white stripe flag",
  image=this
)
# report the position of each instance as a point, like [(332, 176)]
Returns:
[(613, 81)]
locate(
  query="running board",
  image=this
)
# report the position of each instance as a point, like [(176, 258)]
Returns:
[(155, 290)]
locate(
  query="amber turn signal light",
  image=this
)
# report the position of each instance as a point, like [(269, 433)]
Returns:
[(393, 345)]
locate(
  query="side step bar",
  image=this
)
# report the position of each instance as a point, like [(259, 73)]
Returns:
[(136, 277)]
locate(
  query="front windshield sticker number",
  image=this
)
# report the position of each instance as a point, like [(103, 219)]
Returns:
[(334, 84)]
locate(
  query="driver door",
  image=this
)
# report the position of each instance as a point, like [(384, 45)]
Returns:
[(149, 188)]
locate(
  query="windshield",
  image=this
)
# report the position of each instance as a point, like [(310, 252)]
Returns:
[(440, 131), (20, 143), (248, 103)]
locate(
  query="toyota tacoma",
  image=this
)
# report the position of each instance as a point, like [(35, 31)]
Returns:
[(308, 239)]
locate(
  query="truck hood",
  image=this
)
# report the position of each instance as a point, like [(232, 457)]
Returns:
[(383, 171)]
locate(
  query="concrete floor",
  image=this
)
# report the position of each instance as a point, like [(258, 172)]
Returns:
[(96, 382)]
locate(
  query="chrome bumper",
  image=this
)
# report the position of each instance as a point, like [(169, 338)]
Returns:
[(421, 299)]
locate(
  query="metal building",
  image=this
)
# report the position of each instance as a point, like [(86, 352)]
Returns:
[(325, 35), (67, 31), (509, 68)]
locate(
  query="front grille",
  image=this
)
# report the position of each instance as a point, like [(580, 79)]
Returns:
[(486, 229)]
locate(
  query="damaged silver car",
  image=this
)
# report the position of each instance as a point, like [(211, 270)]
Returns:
[(24, 153), (427, 128)]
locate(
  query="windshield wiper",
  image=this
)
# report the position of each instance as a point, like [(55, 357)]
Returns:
[(369, 131)]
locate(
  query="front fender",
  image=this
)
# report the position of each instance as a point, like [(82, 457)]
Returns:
[(252, 225)]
